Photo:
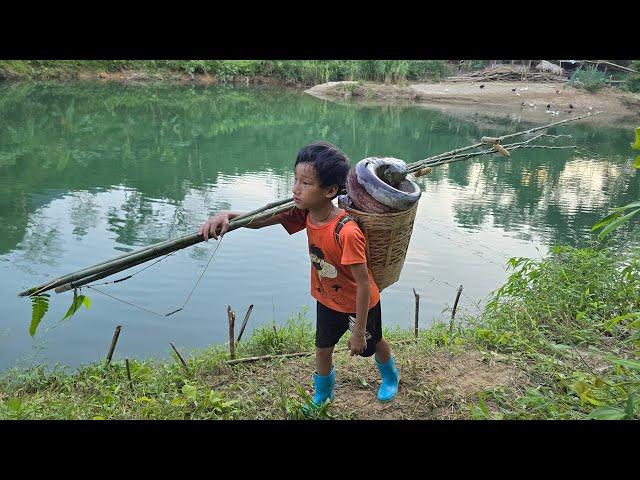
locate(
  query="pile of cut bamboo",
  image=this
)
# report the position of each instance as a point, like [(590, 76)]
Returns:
[(506, 73)]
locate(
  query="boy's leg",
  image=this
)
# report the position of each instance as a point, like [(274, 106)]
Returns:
[(383, 351), (324, 360), (383, 356), (330, 326)]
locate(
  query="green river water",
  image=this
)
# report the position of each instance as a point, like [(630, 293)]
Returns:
[(88, 171)]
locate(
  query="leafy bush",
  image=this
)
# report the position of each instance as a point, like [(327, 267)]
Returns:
[(633, 81), (590, 79), (428, 69)]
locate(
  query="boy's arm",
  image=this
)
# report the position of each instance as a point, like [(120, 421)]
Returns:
[(219, 224), (358, 342)]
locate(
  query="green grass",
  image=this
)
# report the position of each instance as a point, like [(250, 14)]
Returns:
[(569, 324), (572, 323), (304, 72)]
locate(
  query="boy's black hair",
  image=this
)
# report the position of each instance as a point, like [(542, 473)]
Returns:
[(330, 164)]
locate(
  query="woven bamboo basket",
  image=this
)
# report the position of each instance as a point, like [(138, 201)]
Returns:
[(388, 236)]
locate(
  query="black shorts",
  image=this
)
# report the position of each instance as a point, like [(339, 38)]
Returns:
[(331, 325)]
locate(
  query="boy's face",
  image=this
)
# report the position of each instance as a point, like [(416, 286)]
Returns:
[(307, 192)]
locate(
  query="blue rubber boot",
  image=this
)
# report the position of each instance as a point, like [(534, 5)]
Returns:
[(323, 387), (390, 378)]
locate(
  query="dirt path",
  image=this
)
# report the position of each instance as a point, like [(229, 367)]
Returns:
[(434, 385), (531, 102)]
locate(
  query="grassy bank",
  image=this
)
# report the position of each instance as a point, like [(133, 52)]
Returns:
[(304, 72), (558, 341)]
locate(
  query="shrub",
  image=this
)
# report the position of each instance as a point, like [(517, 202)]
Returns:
[(590, 79)]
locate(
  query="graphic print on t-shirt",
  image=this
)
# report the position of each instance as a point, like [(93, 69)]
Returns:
[(327, 275)]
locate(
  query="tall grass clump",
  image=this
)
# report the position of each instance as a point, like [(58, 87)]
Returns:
[(296, 335), (572, 321)]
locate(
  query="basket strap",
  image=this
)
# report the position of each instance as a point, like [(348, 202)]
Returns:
[(346, 218)]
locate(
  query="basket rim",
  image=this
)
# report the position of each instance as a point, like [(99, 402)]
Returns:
[(392, 214)]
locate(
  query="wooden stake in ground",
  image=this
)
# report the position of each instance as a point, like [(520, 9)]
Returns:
[(244, 323), (453, 312), (232, 320), (126, 362), (114, 340), (184, 364), (417, 310)]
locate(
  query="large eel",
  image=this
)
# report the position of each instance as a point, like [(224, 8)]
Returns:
[(361, 199), (384, 180)]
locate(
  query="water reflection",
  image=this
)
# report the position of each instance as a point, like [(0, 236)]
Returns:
[(88, 171)]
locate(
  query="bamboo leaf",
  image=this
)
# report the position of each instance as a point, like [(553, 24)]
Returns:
[(628, 206), (616, 213), (636, 145), (78, 300), (630, 406), (607, 413), (624, 362), (616, 223), (39, 306), (609, 324), (606, 220), (86, 302)]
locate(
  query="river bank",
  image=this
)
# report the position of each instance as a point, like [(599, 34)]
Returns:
[(405, 83), (558, 341), (535, 102)]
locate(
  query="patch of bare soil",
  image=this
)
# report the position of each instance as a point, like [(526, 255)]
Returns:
[(432, 386)]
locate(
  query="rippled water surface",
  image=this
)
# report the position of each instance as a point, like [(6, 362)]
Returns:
[(90, 171)]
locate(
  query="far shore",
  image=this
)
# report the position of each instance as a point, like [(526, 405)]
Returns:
[(533, 102)]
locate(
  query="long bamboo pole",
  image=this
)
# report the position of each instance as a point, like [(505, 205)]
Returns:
[(131, 259), (99, 267), (109, 267)]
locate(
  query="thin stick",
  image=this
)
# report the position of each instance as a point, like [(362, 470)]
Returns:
[(299, 354), (417, 310), (184, 364), (114, 340), (244, 323), (232, 320), (422, 163), (453, 312), (126, 362)]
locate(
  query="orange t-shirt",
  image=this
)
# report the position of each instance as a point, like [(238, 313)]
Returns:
[(332, 283)]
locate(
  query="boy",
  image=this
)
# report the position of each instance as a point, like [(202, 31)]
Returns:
[(347, 297)]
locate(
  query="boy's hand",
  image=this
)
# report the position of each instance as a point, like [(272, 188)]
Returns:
[(357, 343), (216, 225)]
